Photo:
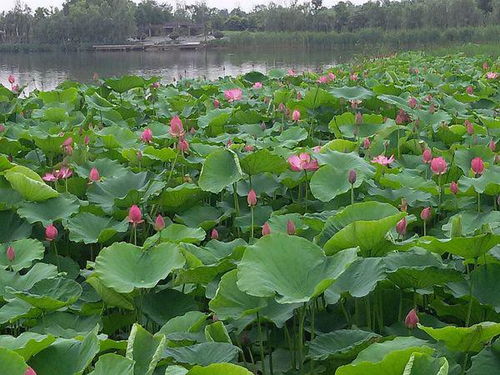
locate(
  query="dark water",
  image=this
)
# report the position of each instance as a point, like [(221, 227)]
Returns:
[(47, 69)]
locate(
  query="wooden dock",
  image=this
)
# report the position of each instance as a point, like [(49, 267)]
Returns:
[(149, 47)]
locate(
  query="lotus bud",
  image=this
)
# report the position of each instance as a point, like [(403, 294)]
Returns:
[(469, 90), (477, 165), (86, 140), (401, 227), (248, 148), (11, 79), (411, 319), (266, 229), (492, 145), (29, 371), (427, 156), (159, 223), (216, 103), (2, 128), (352, 176), (183, 145), (147, 135), (51, 233), (10, 253), (214, 235), (426, 214), (281, 107), (296, 115), (456, 226), (176, 128), (439, 165), (135, 215), (252, 198), (290, 227), (469, 127), (366, 143), (412, 102), (94, 175), (229, 143), (454, 187)]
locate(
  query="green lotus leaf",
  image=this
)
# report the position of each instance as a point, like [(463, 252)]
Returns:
[(29, 184), (89, 228), (115, 136), (205, 217), (316, 97), (488, 182), (180, 233), (145, 349), (26, 251), (13, 227), (50, 210), (341, 344), (125, 267), (97, 102), (203, 354), (352, 93), (484, 281), (409, 179), (107, 168), (463, 157), (16, 309), (263, 161), (215, 120), (465, 247), (109, 296), (12, 363), (220, 169), (217, 332), (218, 369), (289, 268), (67, 325), (192, 321), (424, 364), (163, 154), (52, 114), (126, 83), (27, 344), (181, 197), (473, 220), (167, 304), (66, 356), (50, 294), (47, 142), (340, 145), (487, 361), (39, 272), (464, 339), (113, 364), (175, 370)]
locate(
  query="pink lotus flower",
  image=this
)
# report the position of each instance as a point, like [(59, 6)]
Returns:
[(68, 142), (331, 76), (49, 177), (412, 102), (477, 165), (155, 85), (302, 162), (491, 75), (159, 223), (355, 103), (94, 175), (229, 143), (233, 95), (214, 235), (492, 145), (64, 173), (147, 135), (2, 128), (323, 79), (383, 160), (15, 88), (402, 117), (266, 229), (296, 115), (439, 166), (425, 214), (412, 319), (427, 156), (469, 127), (252, 198), (86, 140), (51, 233), (29, 371), (248, 148), (290, 227), (135, 215), (366, 143), (10, 253), (257, 85), (11, 79), (216, 103), (183, 145), (176, 127), (401, 227), (469, 90), (454, 187), (353, 77), (291, 72)]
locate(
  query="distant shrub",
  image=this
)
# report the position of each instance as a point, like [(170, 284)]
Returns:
[(218, 34)]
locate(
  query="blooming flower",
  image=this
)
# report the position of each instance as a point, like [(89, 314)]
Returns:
[(411, 319), (257, 85), (291, 72), (383, 160), (439, 165), (64, 173), (176, 128), (366, 143), (477, 165), (491, 75), (331, 76), (248, 148), (233, 95), (49, 177), (147, 135), (252, 198), (353, 77), (159, 223), (323, 79), (135, 215), (11, 79), (412, 102), (355, 103), (302, 162), (51, 232)]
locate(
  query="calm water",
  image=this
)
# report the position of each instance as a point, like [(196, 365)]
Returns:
[(46, 70)]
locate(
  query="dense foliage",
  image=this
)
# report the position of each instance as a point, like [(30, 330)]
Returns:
[(81, 21), (279, 223)]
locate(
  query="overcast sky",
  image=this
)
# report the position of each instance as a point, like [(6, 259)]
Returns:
[(229, 4)]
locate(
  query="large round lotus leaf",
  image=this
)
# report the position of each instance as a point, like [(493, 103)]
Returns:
[(341, 344), (167, 304), (113, 364), (485, 279), (50, 294), (488, 183), (263, 161), (115, 136), (89, 228), (110, 297), (424, 364), (180, 233), (215, 120), (107, 168), (145, 349), (95, 101), (487, 361), (191, 321), (12, 363), (13, 227), (463, 157), (66, 357), (465, 247), (27, 344), (180, 197), (67, 325), (125, 83), (26, 251), (358, 211), (205, 217), (472, 221), (124, 267), (217, 332), (49, 211), (369, 235), (203, 354), (410, 179), (231, 302), (220, 169), (13, 311), (352, 93), (29, 184), (16, 281), (48, 143), (219, 369), (290, 268), (464, 339)]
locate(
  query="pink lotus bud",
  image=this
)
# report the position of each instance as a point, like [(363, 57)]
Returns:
[(359, 118), (492, 145), (438, 165), (411, 319), (432, 108), (401, 227), (485, 66), (2, 128), (281, 107), (192, 131), (469, 126), (295, 115), (68, 142), (10, 253), (366, 143), (94, 175), (29, 371), (316, 149), (159, 223), (147, 135), (291, 72), (412, 102), (355, 103), (229, 143), (216, 103), (135, 215), (11, 79), (427, 156), (86, 140), (214, 235), (176, 128), (257, 85), (425, 214), (352, 176), (331, 76), (248, 148), (454, 187), (183, 145), (477, 165), (51, 233), (252, 198), (353, 77), (155, 85), (470, 90), (290, 227), (266, 229)]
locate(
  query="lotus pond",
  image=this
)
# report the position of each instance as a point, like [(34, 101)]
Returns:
[(291, 223)]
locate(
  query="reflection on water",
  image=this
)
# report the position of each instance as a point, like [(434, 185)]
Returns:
[(47, 69)]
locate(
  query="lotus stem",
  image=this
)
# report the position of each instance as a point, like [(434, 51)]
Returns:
[(262, 357), (478, 202), (173, 166), (471, 288), (352, 193), (306, 197), (252, 223), (57, 256), (270, 350), (425, 228)]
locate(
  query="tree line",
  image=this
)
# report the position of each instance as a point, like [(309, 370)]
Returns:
[(106, 21)]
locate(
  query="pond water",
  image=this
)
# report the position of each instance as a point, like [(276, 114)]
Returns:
[(46, 70)]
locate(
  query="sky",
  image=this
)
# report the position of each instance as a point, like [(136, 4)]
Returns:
[(229, 4)]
